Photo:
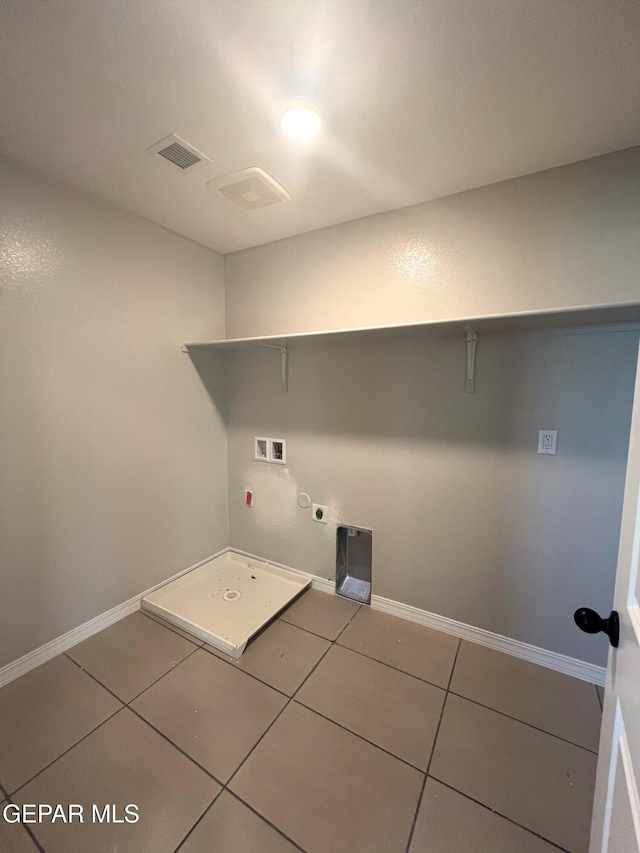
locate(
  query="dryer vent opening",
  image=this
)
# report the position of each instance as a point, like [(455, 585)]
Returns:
[(354, 549)]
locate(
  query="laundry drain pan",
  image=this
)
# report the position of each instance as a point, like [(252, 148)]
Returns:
[(226, 600)]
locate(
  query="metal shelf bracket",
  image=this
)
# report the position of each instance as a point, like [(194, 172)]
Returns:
[(472, 340), (284, 365)]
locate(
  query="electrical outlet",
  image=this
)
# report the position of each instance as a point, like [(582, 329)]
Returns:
[(548, 441), (319, 513)]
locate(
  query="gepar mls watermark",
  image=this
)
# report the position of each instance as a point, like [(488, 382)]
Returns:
[(70, 813)]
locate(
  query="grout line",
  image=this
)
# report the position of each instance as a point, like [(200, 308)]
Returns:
[(510, 820), (455, 661), (93, 678), (328, 639), (293, 698), (349, 621), (361, 737), (500, 814), (33, 837), (306, 630), (523, 722), (433, 749), (289, 701), (164, 675), (26, 828), (179, 748), (197, 822), (95, 729), (326, 652), (391, 666), (313, 633), (439, 686), (58, 757), (234, 664), (409, 675), (260, 739), (126, 703), (300, 686), (262, 817), (224, 786)]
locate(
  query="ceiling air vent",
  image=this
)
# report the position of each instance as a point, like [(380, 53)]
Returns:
[(250, 188), (179, 153)]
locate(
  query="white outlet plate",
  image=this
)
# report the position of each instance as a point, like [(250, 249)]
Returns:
[(548, 441), (315, 508)]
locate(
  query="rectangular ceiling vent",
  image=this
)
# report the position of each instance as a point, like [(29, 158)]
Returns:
[(178, 152)]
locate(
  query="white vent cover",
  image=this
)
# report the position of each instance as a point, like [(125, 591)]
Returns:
[(179, 153), (250, 188)]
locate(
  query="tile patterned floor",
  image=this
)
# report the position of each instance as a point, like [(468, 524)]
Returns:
[(340, 730)]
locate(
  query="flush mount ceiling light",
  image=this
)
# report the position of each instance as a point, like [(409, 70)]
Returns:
[(302, 120)]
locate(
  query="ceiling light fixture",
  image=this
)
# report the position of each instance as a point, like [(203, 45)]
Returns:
[(302, 120)]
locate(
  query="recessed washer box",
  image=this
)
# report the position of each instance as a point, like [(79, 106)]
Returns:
[(226, 600), (353, 562)]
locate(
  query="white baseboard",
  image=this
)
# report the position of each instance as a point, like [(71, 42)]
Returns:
[(552, 660), (31, 660)]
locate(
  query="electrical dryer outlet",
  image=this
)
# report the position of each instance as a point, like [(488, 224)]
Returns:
[(319, 513)]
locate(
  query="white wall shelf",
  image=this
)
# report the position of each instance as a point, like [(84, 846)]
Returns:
[(437, 329), (487, 324)]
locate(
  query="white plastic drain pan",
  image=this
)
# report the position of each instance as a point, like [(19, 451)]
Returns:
[(226, 600)]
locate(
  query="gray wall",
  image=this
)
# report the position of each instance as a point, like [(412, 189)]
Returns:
[(567, 237), (469, 521), (113, 456), (113, 466)]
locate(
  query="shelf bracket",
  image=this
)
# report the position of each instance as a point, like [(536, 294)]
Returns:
[(472, 340), (284, 368), (284, 365)]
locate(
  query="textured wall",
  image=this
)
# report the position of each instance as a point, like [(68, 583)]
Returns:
[(567, 237), (113, 456), (113, 468), (469, 521)]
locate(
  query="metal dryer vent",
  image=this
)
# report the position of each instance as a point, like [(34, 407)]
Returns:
[(353, 562)]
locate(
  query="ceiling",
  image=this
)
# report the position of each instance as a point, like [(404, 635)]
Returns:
[(424, 98)]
